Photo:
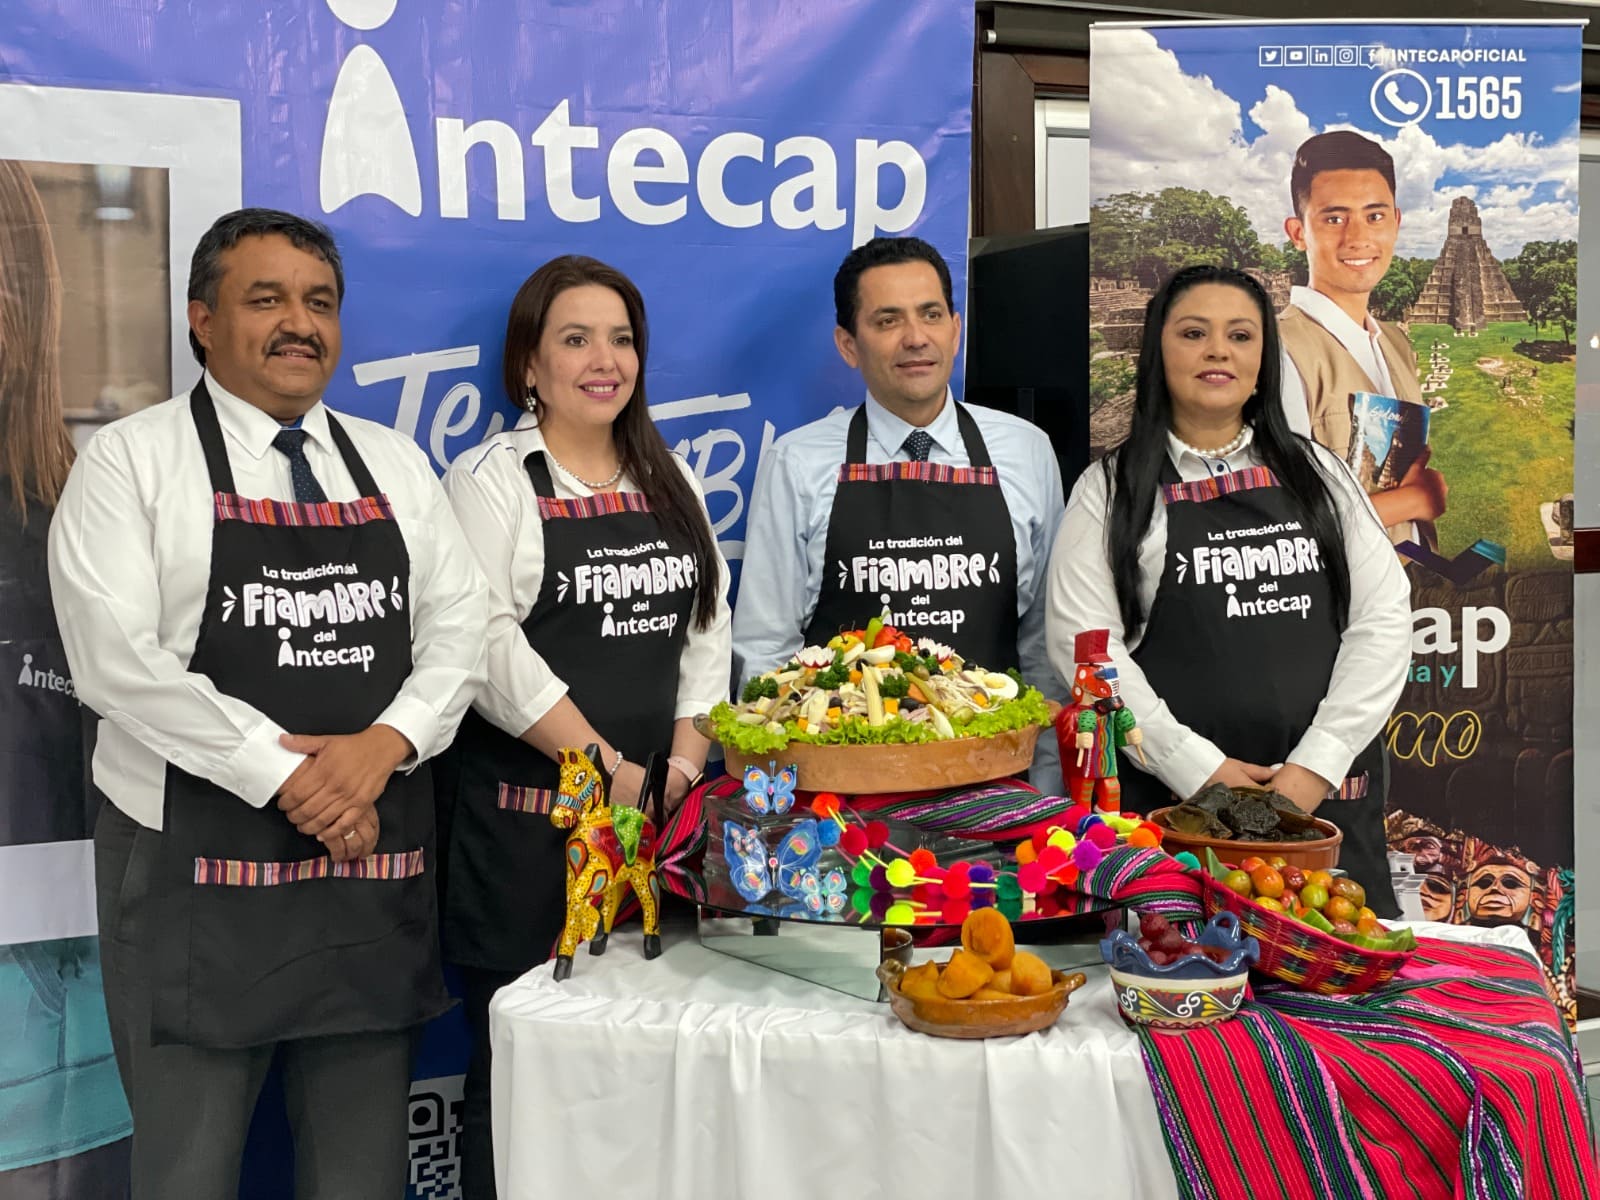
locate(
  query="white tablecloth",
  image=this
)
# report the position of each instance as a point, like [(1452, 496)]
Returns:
[(698, 1075)]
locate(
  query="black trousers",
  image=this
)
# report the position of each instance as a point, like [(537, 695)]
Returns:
[(477, 1134), (347, 1096)]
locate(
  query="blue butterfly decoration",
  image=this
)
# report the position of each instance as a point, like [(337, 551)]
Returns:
[(824, 895), (769, 793), (755, 871)]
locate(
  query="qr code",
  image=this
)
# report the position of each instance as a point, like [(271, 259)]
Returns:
[(435, 1139)]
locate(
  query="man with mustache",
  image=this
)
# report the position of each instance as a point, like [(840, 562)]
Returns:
[(867, 508), (1345, 221), (278, 620)]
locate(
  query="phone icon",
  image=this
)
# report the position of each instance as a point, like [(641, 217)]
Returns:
[(1391, 93), (1401, 97)]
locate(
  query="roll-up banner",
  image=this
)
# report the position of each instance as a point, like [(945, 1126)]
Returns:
[(726, 154), (1471, 293)]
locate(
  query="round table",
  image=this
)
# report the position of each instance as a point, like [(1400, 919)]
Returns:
[(698, 1075)]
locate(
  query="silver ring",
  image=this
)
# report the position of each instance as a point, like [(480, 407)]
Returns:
[(348, 834)]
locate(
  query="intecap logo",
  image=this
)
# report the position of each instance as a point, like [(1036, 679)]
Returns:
[(45, 679), (367, 149)]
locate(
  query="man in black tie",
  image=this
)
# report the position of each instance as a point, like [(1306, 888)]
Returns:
[(279, 621), (942, 514)]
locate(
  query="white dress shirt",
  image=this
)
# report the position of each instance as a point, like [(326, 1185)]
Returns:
[(1363, 341), (1368, 672), (130, 563), (786, 533), (496, 506)]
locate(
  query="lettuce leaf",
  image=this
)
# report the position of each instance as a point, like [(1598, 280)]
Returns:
[(1029, 708)]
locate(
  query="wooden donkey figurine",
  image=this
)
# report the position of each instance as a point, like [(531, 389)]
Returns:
[(611, 847)]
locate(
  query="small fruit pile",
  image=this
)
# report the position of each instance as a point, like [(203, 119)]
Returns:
[(987, 967), (1332, 904), (1165, 945)]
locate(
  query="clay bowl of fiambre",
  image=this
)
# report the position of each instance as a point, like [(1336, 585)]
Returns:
[(927, 766)]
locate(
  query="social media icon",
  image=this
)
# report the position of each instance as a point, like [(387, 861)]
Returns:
[(1270, 56), (1322, 56), (1401, 97), (1345, 56), (1370, 55), (1295, 56)]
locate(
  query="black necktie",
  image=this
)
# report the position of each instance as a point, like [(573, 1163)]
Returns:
[(918, 443), (292, 444)]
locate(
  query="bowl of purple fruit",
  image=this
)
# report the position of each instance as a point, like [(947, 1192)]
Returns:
[(1167, 982)]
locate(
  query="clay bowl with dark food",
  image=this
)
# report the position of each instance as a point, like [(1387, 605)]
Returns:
[(1319, 854), (943, 1017)]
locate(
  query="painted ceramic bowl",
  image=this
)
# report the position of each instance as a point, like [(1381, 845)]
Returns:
[(1195, 990)]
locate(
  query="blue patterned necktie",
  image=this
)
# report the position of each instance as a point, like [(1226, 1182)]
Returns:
[(918, 444), (292, 444)]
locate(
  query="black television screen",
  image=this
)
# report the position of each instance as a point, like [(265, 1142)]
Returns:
[(1028, 334)]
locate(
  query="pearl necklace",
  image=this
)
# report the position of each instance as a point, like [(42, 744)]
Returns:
[(1220, 451), (593, 487)]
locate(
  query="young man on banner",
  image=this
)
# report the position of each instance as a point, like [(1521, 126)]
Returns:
[(276, 614), (863, 509), (1345, 221)]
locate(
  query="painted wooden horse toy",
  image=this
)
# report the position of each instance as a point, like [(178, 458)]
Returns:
[(611, 847)]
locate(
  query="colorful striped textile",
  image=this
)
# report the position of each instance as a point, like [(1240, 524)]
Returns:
[(232, 507), (233, 872), (921, 472), (513, 798), (1465, 1086), (1213, 486), (1004, 810), (601, 504), (1149, 880), (1352, 787), (1456, 1079)]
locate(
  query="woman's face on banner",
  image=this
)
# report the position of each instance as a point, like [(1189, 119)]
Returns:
[(1211, 348), (1348, 231), (586, 365)]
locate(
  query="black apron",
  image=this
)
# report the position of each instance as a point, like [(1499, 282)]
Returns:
[(43, 793), (610, 621), (1240, 645), (257, 936), (933, 543)]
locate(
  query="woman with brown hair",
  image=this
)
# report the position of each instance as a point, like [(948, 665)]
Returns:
[(608, 626), (41, 738), (65, 1114)]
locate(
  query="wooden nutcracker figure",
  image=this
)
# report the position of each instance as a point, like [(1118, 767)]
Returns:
[(1094, 726)]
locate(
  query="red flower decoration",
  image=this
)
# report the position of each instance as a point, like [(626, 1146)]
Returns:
[(853, 841), (826, 804), (877, 834), (1103, 836), (956, 884)]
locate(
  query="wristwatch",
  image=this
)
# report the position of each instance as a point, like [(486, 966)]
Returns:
[(687, 770)]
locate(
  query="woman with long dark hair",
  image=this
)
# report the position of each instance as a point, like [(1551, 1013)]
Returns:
[(1260, 620), (608, 626)]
